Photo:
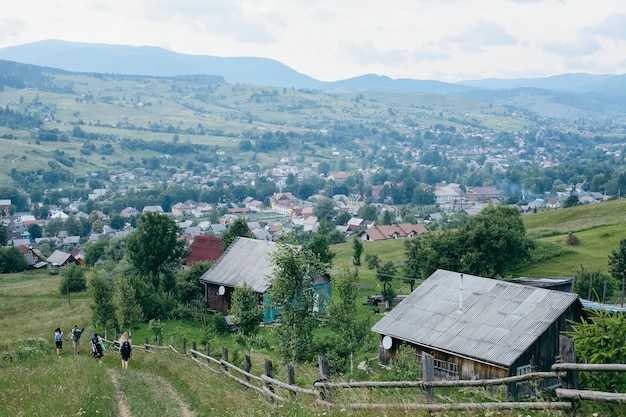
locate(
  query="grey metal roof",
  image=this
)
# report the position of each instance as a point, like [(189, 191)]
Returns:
[(498, 322), (247, 260), (58, 257)]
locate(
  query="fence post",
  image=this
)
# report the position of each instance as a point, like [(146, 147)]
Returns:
[(193, 349), (158, 340), (147, 343), (225, 357), (269, 372), (291, 378), (567, 353), (428, 374), (184, 346), (324, 377), (247, 365), (208, 353)]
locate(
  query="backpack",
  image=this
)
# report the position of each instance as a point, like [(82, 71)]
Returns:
[(125, 347), (58, 337)]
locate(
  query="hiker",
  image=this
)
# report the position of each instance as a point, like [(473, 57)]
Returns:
[(126, 345), (97, 348), (75, 335), (58, 340)]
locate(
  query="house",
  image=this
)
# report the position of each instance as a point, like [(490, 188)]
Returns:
[(205, 248), (553, 203), (394, 231), (483, 194), (246, 260), (480, 328), (59, 260), (250, 261), (33, 257)]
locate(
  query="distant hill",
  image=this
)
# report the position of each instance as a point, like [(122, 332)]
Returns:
[(566, 96), (154, 61)]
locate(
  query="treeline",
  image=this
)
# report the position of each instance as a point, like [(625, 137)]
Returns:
[(16, 120)]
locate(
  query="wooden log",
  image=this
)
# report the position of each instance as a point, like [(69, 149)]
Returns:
[(291, 377), (224, 358), (184, 342), (591, 395), (567, 352), (147, 344), (193, 348), (590, 367), (324, 368), (208, 353), (468, 406), (247, 365), (269, 372), (428, 375), (292, 388)]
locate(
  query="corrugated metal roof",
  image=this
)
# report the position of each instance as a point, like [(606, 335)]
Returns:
[(498, 322), (247, 260)]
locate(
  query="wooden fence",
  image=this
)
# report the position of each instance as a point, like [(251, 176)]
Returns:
[(325, 389)]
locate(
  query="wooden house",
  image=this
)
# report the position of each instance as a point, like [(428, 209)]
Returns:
[(59, 260), (246, 260), (480, 328)]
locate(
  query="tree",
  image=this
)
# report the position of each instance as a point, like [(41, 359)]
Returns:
[(128, 311), (571, 201), (617, 266), (248, 313), (594, 285), (343, 315), (292, 293), (368, 212), (320, 246), (601, 341), (102, 307), (95, 251), (324, 209), (188, 286), (4, 234), (72, 279), (12, 260), (34, 230), (387, 218), (385, 274), (494, 242), (239, 228), (154, 246), (358, 251), (414, 251)]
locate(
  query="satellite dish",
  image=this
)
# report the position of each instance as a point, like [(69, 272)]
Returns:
[(387, 342), (221, 290)]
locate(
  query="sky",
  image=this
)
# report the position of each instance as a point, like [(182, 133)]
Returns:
[(446, 40)]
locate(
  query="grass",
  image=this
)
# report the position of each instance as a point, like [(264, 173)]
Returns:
[(35, 382)]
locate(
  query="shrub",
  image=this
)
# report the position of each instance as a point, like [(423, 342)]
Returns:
[(572, 240), (73, 279)]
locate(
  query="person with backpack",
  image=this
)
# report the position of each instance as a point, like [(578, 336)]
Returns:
[(97, 348), (58, 340), (126, 346), (75, 335)]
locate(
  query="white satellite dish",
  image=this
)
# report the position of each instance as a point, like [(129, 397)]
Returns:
[(387, 342), (221, 290)]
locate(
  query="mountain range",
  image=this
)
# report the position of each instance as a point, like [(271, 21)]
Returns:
[(572, 95)]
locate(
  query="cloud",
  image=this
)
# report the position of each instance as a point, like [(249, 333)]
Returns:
[(476, 37), (584, 44), (11, 27), (215, 17), (613, 27), (365, 53)]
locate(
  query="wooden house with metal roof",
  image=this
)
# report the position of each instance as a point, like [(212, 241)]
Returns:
[(246, 260), (480, 328)]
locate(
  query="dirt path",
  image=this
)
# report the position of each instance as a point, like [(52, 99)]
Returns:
[(122, 405), (185, 410)]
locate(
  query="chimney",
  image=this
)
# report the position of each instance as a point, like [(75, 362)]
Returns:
[(461, 294)]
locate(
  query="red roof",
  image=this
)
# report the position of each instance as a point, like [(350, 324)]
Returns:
[(205, 248)]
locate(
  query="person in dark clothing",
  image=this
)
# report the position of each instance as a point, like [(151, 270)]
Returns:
[(97, 348), (75, 335)]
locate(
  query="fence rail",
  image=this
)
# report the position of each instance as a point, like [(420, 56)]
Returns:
[(324, 387)]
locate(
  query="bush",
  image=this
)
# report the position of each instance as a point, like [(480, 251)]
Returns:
[(72, 280)]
